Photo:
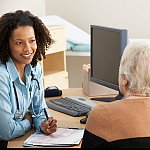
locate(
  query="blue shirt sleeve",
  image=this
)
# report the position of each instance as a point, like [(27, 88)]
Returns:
[(9, 128), (38, 100)]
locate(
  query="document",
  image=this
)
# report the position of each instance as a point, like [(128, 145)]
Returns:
[(62, 137)]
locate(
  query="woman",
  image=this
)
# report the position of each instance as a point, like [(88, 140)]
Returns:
[(23, 41), (126, 122)]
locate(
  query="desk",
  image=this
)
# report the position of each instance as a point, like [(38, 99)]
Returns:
[(63, 119)]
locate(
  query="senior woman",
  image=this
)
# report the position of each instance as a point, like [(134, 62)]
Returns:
[(126, 122)]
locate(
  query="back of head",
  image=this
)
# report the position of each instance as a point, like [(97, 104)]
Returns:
[(135, 65)]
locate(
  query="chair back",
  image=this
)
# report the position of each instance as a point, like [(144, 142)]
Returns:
[(3, 144), (139, 142)]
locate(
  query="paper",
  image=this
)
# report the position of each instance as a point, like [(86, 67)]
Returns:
[(62, 137)]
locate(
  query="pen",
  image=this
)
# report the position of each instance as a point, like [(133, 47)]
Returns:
[(76, 128), (46, 113), (72, 128)]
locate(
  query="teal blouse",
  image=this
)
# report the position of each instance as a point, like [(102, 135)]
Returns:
[(10, 127)]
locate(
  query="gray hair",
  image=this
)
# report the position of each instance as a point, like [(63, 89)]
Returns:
[(135, 65)]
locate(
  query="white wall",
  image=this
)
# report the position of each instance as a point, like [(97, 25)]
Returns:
[(131, 14), (37, 7)]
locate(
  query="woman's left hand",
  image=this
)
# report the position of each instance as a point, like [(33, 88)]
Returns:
[(49, 126), (28, 117)]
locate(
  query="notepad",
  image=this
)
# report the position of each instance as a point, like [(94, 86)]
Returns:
[(62, 137)]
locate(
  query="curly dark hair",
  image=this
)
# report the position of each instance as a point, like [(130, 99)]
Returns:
[(12, 20)]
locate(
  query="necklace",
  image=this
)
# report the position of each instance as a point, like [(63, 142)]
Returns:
[(137, 95)]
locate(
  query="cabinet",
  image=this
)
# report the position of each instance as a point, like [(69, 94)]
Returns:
[(54, 66)]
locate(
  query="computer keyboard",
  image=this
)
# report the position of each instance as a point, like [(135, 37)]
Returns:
[(73, 105)]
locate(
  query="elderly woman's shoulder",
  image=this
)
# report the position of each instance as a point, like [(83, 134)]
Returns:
[(106, 106)]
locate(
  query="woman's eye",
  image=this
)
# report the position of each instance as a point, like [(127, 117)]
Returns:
[(31, 41), (18, 43)]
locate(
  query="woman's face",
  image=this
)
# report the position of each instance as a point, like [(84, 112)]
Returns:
[(22, 45)]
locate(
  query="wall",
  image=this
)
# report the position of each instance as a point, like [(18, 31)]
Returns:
[(131, 14), (37, 7)]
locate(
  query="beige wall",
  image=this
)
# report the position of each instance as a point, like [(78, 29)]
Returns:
[(37, 7), (131, 14)]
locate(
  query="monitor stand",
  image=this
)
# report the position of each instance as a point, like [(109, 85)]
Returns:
[(93, 89), (108, 99)]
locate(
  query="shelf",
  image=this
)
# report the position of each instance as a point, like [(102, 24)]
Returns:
[(54, 65), (59, 79), (54, 62), (59, 36)]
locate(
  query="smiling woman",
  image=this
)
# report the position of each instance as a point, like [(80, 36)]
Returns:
[(24, 40), (23, 47)]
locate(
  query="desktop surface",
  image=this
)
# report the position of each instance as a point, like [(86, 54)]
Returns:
[(63, 120)]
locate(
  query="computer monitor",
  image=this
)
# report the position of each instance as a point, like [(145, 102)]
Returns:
[(107, 46)]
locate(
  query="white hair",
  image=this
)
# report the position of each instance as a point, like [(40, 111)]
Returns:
[(135, 65)]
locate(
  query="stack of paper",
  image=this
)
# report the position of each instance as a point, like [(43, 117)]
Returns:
[(62, 137)]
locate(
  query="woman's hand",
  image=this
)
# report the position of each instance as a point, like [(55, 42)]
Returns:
[(49, 126), (29, 117)]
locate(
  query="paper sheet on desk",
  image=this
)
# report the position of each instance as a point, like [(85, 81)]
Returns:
[(62, 137)]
